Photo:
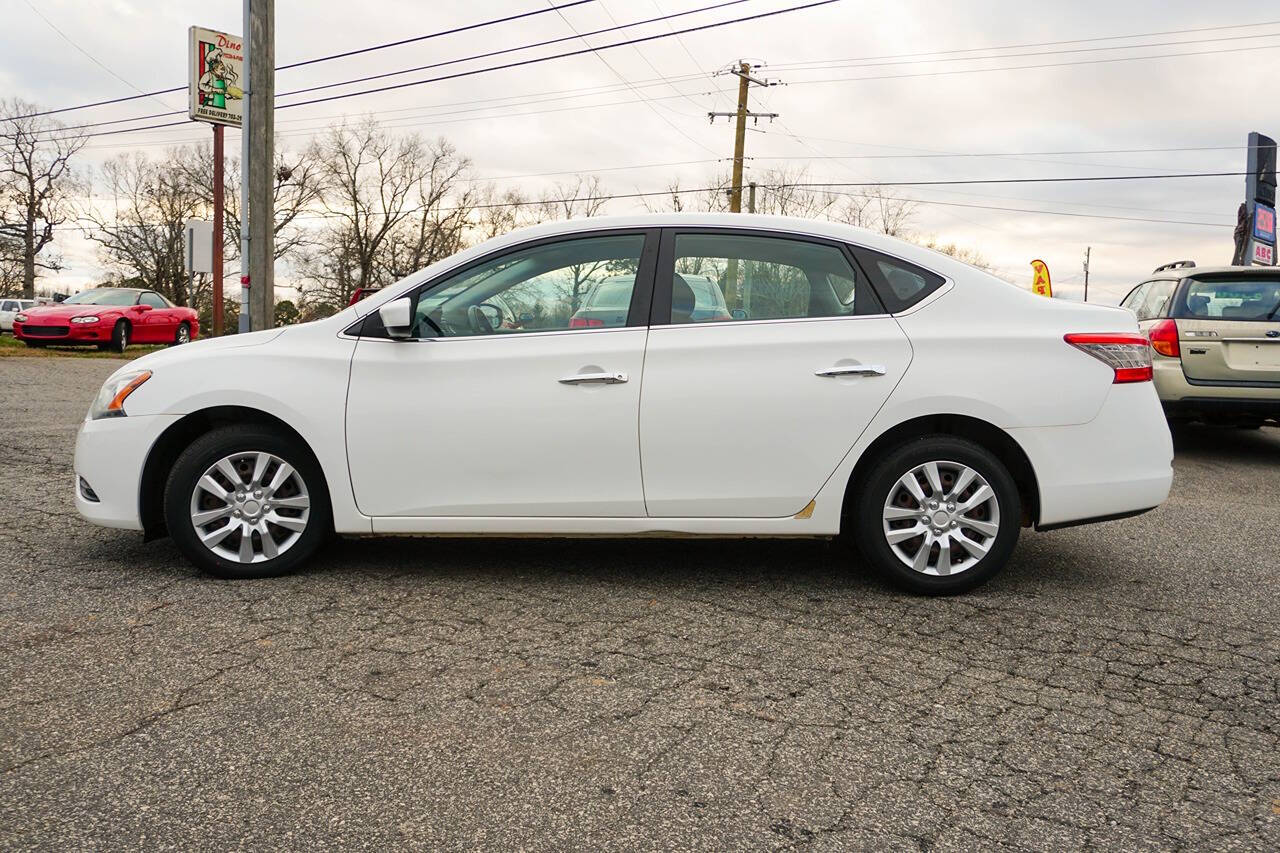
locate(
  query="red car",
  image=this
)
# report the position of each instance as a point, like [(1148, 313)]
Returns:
[(108, 317)]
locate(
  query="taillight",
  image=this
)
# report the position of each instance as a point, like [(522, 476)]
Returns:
[(585, 322), (1127, 353), (1164, 338)]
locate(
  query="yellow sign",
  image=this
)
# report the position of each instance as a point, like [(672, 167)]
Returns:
[(1040, 280)]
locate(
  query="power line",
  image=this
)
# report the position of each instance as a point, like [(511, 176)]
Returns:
[(1058, 180), (1037, 44), (535, 61), (1039, 65), (627, 83), (382, 46), (1052, 212), (503, 51), (508, 65)]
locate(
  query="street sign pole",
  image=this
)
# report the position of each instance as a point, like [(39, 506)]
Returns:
[(217, 228), (244, 176)]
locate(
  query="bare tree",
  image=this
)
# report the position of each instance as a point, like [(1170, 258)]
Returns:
[(139, 226), (369, 180), (497, 212), (584, 197), (36, 184), (438, 227), (10, 266), (296, 191), (972, 257)]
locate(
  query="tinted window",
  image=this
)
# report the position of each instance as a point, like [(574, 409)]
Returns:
[(538, 289), (726, 277), (9, 305), (899, 284), (154, 300), (1250, 298)]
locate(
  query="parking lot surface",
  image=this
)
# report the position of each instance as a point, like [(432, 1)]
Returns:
[(1116, 686)]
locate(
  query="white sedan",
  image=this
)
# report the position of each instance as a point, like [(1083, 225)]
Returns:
[(843, 383)]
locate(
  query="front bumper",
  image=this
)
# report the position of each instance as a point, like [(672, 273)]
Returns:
[(1118, 464), (110, 455), (63, 333)]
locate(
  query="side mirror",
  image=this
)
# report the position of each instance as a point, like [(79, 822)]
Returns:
[(738, 314), (397, 317), (142, 309)]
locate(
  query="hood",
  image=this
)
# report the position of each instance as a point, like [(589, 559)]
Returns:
[(66, 312), (201, 349)]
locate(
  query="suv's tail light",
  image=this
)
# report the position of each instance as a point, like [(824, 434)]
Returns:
[(1164, 338), (1127, 353)]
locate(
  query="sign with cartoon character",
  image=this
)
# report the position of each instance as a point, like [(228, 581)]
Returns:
[(215, 66)]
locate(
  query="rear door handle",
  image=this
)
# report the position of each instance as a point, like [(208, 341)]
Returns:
[(852, 370), (597, 378)]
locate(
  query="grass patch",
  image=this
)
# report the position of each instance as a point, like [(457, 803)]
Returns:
[(11, 347)]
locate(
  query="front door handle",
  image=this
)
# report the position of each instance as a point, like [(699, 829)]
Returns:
[(597, 378), (852, 370)]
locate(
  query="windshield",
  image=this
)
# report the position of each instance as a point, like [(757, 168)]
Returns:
[(103, 296), (1230, 299)]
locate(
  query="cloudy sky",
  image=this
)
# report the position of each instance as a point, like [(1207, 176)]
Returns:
[(872, 91)]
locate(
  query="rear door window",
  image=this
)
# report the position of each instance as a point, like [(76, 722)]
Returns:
[(1249, 299)]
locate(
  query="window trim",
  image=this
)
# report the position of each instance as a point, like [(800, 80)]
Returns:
[(370, 325), (660, 309)]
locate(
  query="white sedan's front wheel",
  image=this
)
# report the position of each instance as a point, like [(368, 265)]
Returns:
[(938, 515), (246, 502)]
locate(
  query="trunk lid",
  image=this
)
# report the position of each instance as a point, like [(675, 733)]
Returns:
[(1229, 329)]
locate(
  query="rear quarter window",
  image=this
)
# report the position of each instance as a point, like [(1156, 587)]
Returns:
[(899, 284)]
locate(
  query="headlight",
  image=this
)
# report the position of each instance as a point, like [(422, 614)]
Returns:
[(20, 318), (84, 319), (110, 400)]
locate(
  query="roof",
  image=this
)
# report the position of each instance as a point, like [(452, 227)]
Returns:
[(1196, 272)]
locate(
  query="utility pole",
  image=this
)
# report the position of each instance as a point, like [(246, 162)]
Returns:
[(259, 135), (742, 71), (1087, 251), (751, 197)]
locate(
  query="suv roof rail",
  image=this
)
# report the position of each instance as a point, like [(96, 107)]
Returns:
[(1173, 266)]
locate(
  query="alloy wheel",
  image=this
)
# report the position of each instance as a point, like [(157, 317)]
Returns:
[(941, 518), (250, 507)]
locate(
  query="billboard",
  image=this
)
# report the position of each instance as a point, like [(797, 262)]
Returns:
[(215, 65)]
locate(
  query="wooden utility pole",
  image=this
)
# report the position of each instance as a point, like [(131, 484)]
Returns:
[(261, 133), (742, 70), (218, 149), (751, 197)]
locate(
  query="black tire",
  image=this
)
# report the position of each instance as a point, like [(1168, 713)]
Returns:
[(182, 335), (206, 451), (868, 520), (120, 336)]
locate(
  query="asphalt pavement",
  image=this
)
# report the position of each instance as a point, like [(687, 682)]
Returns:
[(1115, 687)]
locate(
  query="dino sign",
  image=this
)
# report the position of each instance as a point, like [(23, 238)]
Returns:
[(215, 66), (1040, 279)]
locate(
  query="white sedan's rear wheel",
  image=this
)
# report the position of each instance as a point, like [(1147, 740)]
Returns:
[(938, 515), (246, 502)]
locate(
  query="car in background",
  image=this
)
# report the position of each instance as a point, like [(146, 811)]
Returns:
[(362, 293), (927, 420), (10, 307), (108, 317), (1215, 341), (696, 296)]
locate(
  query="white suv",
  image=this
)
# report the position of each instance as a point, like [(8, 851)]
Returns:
[(11, 307)]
